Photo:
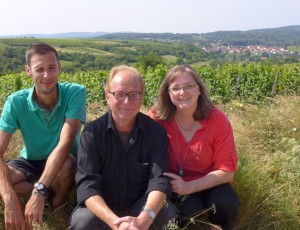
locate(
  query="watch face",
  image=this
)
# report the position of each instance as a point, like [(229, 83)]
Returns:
[(39, 186)]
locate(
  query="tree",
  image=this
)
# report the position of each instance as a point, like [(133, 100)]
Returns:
[(149, 60)]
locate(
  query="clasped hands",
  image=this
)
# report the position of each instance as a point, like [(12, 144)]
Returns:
[(131, 223)]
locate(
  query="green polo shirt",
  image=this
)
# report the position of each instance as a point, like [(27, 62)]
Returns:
[(41, 129)]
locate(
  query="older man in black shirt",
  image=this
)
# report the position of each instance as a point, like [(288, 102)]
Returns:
[(121, 161)]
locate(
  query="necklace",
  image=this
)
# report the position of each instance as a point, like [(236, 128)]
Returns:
[(43, 105), (183, 128), (180, 170)]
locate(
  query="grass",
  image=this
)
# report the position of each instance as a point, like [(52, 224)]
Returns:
[(268, 178)]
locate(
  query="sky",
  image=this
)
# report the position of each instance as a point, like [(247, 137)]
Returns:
[(19, 17)]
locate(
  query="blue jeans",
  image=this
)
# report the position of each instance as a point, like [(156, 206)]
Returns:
[(82, 218)]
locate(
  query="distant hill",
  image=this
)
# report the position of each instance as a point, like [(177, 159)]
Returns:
[(282, 36), (151, 36)]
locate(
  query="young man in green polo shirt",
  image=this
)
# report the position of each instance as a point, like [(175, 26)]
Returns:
[(49, 116)]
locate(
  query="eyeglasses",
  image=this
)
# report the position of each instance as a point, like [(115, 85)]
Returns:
[(119, 95), (187, 87)]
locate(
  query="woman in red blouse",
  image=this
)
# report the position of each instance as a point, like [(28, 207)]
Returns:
[(202, 153)]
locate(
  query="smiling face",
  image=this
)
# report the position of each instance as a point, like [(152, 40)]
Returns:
[(44, 70), (184, 92), (124, 110)]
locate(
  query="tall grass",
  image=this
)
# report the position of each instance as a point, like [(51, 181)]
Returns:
[(268, 178)]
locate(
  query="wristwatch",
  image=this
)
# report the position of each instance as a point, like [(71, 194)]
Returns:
[(150, 212), (40, 188)]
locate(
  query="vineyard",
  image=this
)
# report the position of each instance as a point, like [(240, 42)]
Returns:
[(252, 83)]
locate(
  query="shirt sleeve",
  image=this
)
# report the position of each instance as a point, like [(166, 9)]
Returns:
[(8, 120), (225, 156), (159, 163), (88, 176), (77, 104)]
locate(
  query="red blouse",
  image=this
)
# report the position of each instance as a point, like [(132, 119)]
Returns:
[(212, 147)]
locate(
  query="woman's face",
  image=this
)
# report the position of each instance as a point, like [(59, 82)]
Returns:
[(184, 92)]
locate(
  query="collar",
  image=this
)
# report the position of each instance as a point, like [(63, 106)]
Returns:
[(33, 106), (173, 122), (139, 124)]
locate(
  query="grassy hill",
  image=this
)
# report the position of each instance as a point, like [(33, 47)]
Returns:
[(267, 181)]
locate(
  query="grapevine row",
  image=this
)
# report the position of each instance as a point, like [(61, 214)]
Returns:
[(251, 83)]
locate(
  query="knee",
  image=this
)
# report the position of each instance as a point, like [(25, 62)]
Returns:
[(225, 213), (224, 198), (82, 218), (16, 176), (227, 204), (166, 215), (229, 209), (190, 206), (169, 211), (226, 209), (68, 168)]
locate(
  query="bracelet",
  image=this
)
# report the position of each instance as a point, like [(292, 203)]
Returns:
[(150, 212)]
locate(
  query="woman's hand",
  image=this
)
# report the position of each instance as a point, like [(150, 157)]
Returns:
[(179, 186)]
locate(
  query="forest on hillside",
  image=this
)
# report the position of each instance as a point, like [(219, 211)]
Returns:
[(282, 36)]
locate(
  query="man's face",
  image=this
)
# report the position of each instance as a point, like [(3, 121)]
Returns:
[(124, 110), (44, 71)]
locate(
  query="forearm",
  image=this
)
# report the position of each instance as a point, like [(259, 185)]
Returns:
[(54, 163), (12, 212), (210, 180), (6, 189), (155, 202), (61, 152), (97, 205)]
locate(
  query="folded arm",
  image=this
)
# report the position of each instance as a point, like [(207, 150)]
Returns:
[(210, 180)]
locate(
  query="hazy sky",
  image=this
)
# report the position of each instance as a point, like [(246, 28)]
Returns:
[(158, 16)]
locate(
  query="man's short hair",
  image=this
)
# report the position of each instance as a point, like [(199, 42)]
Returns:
[(40, 49), (115, 70)]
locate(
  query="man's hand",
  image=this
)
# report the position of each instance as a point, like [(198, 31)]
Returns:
[(34, 211), (127, 223), (13, 215)]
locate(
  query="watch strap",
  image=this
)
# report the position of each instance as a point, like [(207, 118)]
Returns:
[(39, 193), (41, 188)]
